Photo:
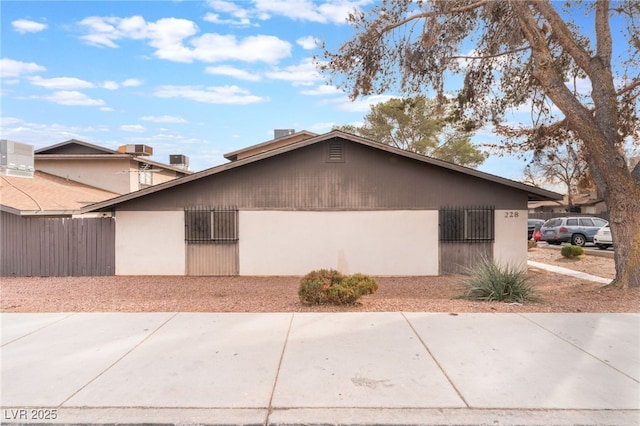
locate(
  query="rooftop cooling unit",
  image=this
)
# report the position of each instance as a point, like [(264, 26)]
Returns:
[(179, 160), (136, 149), (280, 133), (16, 159)]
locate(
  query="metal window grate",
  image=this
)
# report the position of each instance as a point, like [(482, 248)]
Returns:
[(467, 224), (205, 225)]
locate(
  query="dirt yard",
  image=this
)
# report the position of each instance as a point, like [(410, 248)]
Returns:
[(279, 294)]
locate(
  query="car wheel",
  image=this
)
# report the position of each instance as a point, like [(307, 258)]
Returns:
[(578, 240)]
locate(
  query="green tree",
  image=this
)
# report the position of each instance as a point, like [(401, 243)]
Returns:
[(515, 53), (418, 125)]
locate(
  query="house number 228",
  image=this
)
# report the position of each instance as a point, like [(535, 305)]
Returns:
[(509, 215)]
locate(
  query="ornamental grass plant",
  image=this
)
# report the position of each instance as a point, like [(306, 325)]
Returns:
[(488, 281)]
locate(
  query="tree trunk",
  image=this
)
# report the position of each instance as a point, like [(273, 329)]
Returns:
[(597, 130), (624, 219)]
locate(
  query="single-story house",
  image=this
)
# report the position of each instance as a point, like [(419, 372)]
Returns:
[(309, 201)]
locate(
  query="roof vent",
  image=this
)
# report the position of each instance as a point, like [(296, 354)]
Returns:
[(335, 151), (136, 149), (280, 133)]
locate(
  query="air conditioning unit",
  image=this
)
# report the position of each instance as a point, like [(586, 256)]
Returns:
[(280, 133), (16, 159), (136, 149), (179, 160)]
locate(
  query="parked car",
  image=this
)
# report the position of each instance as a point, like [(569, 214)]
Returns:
[(603, 239), (532, 226), (574, 230)]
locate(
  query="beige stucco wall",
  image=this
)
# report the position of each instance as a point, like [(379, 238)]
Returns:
[(114, 176), (370, 242), (510, 247), (150, 243)]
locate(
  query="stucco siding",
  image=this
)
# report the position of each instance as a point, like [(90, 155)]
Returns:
[(510, 247), (371, 242), (150, 243), (114, 176)]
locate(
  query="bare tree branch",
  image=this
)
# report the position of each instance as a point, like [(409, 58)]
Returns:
[(453, 11)]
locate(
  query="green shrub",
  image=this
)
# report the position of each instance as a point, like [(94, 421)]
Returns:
[(488, 281), (571, 251), (328, 286)]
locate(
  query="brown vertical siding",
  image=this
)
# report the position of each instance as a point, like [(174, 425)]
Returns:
[(456, 258), (212, 259), (303, 179), (39, 246)]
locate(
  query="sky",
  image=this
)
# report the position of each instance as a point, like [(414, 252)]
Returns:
[(199, 78)]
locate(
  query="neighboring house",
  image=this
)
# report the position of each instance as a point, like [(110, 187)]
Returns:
[(47, 195), (43, 233), (308, 201), (586, 202), (122, 171)]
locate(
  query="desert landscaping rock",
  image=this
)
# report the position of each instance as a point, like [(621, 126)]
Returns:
[(279, 294)]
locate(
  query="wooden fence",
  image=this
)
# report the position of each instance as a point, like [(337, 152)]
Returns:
[(56, 247)]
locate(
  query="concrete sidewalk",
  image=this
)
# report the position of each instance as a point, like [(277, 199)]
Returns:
[(320, 368)]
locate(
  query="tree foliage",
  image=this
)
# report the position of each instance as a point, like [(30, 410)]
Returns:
[(510, 54), (418, 124)]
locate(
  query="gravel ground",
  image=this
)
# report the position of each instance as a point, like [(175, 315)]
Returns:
[(279, 294)]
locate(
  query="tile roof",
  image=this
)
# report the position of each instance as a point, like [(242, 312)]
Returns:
[(47, 194)]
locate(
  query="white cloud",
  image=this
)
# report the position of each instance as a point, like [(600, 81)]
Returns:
[(233, 72), (163, 119), (211, 94), (359, 105), (61, 83), (306, 10), (24, 26), (322, 91), (321, 127), (73, 98), (168, 37), (308, 42), (107, 109), (241, 17), (11, 68), (110, 85), (303, 74), (41, 135), (259, 48), (132, 82), (135, 128)]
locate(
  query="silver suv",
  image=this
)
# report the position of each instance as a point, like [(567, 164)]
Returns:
[(574, 230)]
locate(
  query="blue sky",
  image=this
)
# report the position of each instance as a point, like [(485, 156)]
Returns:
[(200, 78)]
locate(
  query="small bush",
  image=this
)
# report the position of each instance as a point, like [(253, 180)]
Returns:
[(488, 281), (571, 251), (531, 244), (328, 286)]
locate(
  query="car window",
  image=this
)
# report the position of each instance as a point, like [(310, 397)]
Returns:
[(552, 222), (586, 222), (600, 222), (572, 222)]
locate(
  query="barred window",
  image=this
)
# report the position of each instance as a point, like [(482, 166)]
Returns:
[(475, 224), (211, 225)]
